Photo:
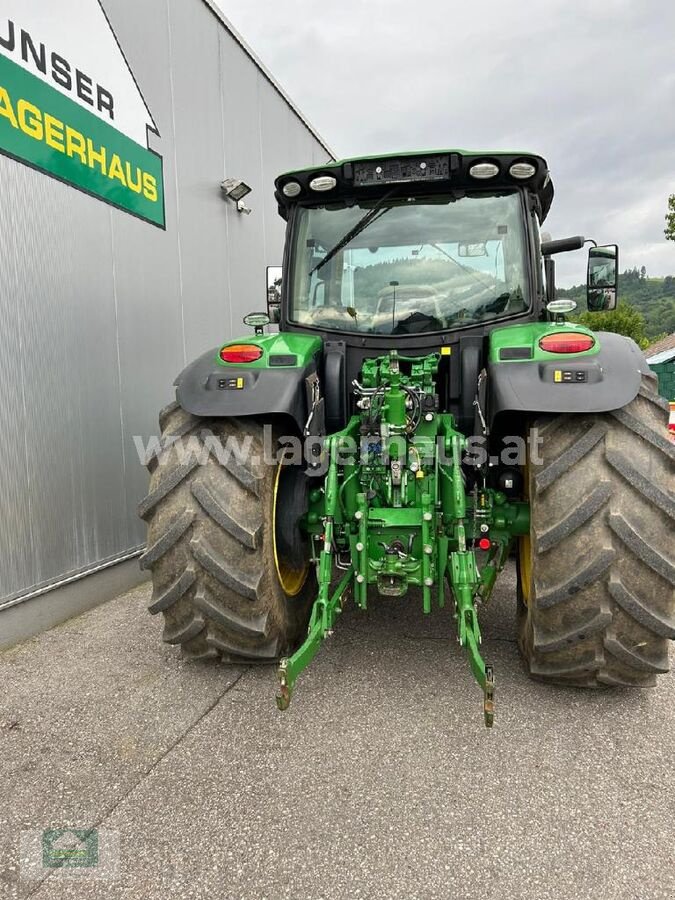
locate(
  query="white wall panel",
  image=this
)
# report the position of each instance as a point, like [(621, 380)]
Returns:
[(99, 311)]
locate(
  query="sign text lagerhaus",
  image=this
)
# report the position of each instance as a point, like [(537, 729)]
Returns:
[(70, 107)]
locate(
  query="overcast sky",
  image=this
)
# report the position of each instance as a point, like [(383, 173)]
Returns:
[(589, 85)]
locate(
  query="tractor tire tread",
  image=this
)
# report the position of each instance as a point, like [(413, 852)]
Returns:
[(601, 597), (576, 517), (209, 546)]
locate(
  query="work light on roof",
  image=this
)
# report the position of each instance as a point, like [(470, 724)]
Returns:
[(484, 170), (291, 189), (522, 170), (323, 183)]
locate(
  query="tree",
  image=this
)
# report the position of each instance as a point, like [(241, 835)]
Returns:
[(670, 219), (622, 320)]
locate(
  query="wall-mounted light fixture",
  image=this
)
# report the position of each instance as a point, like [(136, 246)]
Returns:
[(235, 190)]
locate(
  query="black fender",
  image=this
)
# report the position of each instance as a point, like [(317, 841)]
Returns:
[(605, 381), (207, 389)]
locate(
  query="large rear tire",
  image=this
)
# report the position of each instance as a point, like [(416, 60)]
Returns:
[(217, 577), (596, 575)]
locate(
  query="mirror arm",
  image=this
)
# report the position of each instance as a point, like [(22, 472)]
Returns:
[(563, 245)]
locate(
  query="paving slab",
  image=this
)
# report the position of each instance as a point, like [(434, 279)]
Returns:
[(380, 781)]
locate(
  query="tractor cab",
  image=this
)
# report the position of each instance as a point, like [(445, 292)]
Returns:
[(424, 251), (413, 245)]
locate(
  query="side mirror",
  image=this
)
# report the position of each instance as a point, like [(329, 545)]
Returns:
[(603, 278), (274, 274)]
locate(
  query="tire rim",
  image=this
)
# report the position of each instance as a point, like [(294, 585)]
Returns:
[(290, 579)]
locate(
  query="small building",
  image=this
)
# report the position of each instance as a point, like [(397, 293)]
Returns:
[(661, 359)]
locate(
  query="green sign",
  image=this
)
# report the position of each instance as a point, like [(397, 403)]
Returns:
[(44, 128)]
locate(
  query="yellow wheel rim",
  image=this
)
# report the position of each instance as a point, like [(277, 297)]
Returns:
[(290, 579)]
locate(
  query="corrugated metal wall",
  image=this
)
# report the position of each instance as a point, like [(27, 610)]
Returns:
[(99, 311)]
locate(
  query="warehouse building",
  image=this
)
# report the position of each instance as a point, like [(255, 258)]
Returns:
[(122, 260)]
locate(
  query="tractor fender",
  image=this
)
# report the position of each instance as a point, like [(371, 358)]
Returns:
[(208, 389), (607, 380)]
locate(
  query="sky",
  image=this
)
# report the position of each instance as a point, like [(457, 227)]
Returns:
[(588, 85)]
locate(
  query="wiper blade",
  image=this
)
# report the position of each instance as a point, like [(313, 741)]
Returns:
[(360, 226)]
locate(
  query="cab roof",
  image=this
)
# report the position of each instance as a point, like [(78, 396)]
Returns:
[(432, 171)]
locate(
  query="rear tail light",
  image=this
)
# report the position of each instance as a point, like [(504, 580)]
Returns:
[(566, 342), (240, 353)]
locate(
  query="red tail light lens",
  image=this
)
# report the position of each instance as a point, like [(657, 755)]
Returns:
[(566, 342), (240, 353)]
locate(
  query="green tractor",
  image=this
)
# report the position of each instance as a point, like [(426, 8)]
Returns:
[(424, 412)]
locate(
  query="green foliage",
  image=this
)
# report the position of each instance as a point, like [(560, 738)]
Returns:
[(653, 298), (670, 219), (624, 319)]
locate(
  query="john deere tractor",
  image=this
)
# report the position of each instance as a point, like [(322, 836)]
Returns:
[(424, 411)]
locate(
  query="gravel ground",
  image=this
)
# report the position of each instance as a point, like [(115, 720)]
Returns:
[(380, 781)]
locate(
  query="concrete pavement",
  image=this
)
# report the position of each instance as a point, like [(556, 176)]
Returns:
[(380, 781)]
